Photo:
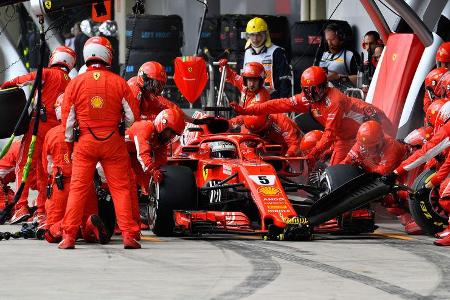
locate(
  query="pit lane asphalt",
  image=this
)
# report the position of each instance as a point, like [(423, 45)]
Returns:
[(384, 265)]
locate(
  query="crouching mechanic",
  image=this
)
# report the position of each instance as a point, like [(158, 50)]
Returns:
[(439, 143), (58, 167), (7, 174), (250, 83), (147, 87), (94, 105), (277, 129), (339, 114), (151, 140), (377, 153), (55, 78)]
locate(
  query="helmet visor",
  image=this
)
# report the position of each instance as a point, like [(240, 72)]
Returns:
[(314, 93)]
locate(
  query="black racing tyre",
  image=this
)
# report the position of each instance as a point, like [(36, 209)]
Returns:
[(176, 192), (158, 33), (12, 103), (107, 214), (426, 210), (139, 57), (210, 37), (300, 64), (337, 175)]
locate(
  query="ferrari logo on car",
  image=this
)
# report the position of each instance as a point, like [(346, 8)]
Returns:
[(96, 75), (205, 173), (48, 4), (394, 57), (97, 102), (269, 190)]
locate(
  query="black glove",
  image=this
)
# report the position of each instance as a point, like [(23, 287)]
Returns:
[(203, 121), (390, 178)]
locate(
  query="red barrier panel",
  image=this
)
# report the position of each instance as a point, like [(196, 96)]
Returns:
[(401, 58)]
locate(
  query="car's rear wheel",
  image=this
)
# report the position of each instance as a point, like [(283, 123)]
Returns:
[(176, 192), (425, 208)]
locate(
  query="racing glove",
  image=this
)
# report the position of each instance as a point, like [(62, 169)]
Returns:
[(238, 109), (157, 175), (390, 178)]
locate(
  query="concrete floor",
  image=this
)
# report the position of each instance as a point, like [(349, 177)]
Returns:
[(384, 265)]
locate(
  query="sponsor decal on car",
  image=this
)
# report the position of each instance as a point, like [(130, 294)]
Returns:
[(205, 173), (263, 179), (227, 169), (295, 220), (269, 190), (279, 206)]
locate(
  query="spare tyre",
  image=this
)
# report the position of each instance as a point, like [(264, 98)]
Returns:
[(156, 32), (12, 103), (425, 208), (139, 57), (210, 36)]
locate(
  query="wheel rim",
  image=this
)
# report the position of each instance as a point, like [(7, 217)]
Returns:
[(433, 199), (152, 207)]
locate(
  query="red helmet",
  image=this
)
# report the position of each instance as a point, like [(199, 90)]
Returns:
[(443, 53), (313, 76), (256, 123), (445, 85), (310, 140), (63, 56), (433, 81), (152, 76), (254, 70), (170, 119), (443, 116), (314, 83), (370, 134), (98, 48), (433, 111)]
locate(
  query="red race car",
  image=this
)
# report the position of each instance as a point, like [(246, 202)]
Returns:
[(219, 182)]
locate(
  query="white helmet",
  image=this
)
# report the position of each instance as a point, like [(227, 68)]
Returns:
[(82, 70), (98, 48), (223, 149), (63, 56), (443, 116)]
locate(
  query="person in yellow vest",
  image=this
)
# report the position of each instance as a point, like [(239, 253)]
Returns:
[(259, 48)]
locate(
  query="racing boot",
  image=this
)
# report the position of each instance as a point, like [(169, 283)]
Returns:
[(21, 214), (95, 226), (443, 242), (130, 241), (68, 242), (443, 234), (49, 237), (412, 228)]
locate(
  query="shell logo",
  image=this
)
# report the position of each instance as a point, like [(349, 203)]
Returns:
[(269, 190), (97, 102)]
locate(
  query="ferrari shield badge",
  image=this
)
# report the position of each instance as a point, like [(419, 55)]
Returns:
[(96, 75)]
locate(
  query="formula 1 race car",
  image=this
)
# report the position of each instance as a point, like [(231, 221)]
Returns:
[(236, 183)]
